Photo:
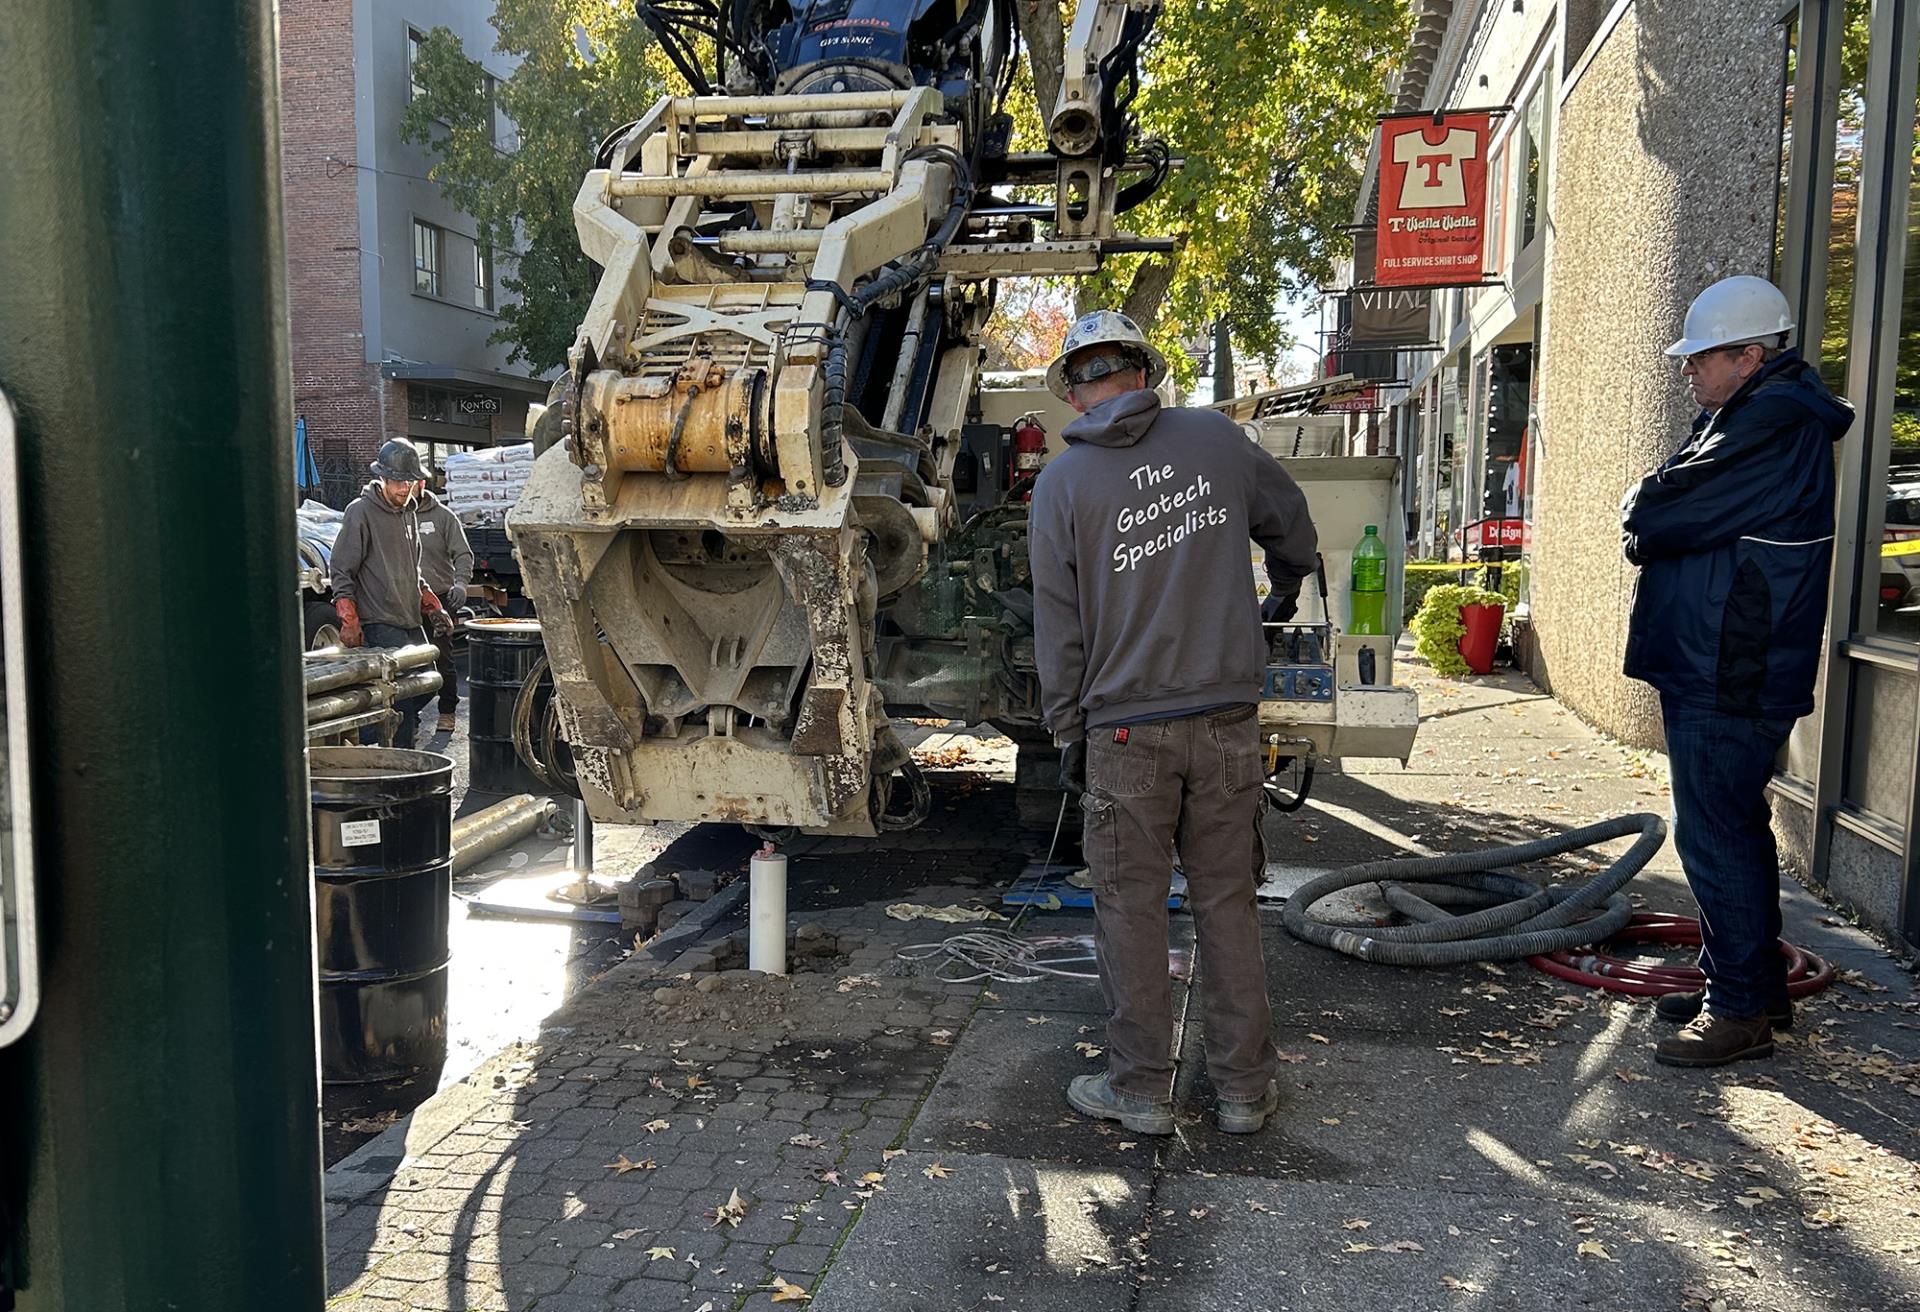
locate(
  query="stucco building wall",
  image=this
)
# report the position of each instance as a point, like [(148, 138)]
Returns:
[(1662, 183)]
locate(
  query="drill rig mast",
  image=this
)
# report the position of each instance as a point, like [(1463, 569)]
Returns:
[(743, 533)]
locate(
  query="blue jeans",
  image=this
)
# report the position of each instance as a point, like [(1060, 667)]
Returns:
[(392, 635), (1723, 829)]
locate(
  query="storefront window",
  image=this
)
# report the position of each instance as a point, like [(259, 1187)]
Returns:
[(1843, 234), (1532, 181), (1893, 541), (1790, 68)]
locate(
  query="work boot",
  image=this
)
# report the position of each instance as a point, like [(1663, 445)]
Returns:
[(1683, 1007), (1091, 1095), (446, 722), (1714, 1040), (1247, 1117)]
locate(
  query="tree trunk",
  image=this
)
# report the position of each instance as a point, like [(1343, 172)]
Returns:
[(1046, 38)]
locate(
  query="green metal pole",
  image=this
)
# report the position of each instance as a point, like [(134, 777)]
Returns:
[(159, 1123)]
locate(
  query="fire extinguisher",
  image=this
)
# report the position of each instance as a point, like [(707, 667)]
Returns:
[(1029, 452)]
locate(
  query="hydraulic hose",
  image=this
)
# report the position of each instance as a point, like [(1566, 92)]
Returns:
[(1513, 918), (1600, 969)]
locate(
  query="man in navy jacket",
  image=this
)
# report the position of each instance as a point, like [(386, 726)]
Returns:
[(1734, 538)]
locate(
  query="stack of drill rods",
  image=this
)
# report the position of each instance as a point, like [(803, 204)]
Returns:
[(350, 689)]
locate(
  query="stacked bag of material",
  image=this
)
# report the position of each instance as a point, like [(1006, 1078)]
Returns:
[(483, 485)]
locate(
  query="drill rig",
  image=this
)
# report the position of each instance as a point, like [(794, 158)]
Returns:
[(746, 530)]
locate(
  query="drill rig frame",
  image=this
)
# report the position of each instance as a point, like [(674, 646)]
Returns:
[(742, 534)]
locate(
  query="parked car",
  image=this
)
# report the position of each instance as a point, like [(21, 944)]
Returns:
[(315, 528)]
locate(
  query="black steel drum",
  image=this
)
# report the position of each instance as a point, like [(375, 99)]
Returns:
[(383, 885), (500, 654)]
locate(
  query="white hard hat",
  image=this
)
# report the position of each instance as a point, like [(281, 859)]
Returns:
[(1740, 309), (1103, 328)]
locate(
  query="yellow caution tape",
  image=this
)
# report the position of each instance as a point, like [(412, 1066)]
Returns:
[(1904, 547)]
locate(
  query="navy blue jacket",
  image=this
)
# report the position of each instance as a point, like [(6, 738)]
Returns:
[(1734, 539)]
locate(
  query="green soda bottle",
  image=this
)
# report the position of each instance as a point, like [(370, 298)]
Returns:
[(1367, 603)]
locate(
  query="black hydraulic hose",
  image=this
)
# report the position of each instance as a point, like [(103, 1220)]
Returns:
[(1522, 921)]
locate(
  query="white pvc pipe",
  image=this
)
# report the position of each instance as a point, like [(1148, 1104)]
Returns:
[(767, 913)]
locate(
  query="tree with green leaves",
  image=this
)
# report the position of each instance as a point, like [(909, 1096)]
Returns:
[(1270, 102), (585, 69)]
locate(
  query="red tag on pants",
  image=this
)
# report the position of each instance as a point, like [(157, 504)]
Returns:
[(1120, 734)]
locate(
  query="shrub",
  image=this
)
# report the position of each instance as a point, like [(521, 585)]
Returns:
[(1437, 628)]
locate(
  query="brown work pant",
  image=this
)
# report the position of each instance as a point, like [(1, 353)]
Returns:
[(1195, 781)]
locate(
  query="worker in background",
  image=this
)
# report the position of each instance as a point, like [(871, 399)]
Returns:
[(1733, 535), (446, 563), (378, 590), (1151, 663)]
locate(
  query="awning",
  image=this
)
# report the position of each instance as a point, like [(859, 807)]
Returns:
[(452, 375)]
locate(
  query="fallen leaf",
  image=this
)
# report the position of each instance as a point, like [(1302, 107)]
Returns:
[(787, 1292), (935, 1171), (820, 1054), (1626, 1076), (1464, 1286), (980, 1125), (873, 1177), (1320, 1038), (830, 1177), (1255, 1205), (942, 1038), (1291, 1056), (663, 1253), (888, 1154), (1453, 1011), (1356, 1224), (1089, 1049), (1594, 1248), (1329, 1120), (1358, 1248), (1039, 1020), (731, 1212), (1199, 1213), (807, 1141), (1403, 1246), (626, 1234), (694, 1081), (654, 1127), (622, 1165)]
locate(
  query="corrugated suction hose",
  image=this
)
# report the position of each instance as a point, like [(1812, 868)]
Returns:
[(1510, 917)]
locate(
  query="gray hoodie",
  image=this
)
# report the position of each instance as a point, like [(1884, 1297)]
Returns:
[(376, 559), (445, 557), (1143, 584)]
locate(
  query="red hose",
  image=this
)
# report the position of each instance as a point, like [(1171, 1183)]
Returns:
[(1598, 968)]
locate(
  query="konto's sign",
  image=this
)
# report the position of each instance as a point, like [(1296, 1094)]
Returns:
[(1433, 200)]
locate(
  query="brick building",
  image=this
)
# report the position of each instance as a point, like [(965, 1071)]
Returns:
[(392, 299)]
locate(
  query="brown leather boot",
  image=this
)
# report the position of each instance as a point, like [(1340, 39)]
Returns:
[(1714, 1040)]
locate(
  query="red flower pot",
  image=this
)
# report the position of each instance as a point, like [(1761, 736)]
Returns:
[(1482, 635)]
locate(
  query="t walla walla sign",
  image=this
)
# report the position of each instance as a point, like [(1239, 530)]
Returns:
[(1433, 200)]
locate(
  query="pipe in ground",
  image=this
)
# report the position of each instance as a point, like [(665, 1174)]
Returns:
[(500, 826)]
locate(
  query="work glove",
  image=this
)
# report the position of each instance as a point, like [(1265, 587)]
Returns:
[(457, 595), (1280, 606), (1073, 767), (349, 613), (439, 623)]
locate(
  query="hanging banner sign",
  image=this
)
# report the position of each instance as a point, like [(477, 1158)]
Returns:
[(1433, 200), (1383, 317)]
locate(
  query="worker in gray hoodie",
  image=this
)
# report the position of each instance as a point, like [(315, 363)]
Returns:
[(378, 590), (1151, 658), (446, 563)]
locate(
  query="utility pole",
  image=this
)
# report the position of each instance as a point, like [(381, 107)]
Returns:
[(159, 1123), (1222, 360)]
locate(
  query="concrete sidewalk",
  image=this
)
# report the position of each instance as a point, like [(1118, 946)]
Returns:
[(1480, 1137)]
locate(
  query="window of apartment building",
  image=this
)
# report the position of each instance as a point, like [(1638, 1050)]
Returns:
[(1497, 210), (1530, 181), (429, 257), (482, 276), (416, 46)]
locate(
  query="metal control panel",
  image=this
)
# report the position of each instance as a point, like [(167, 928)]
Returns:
[(1299, 663), (19, 960)]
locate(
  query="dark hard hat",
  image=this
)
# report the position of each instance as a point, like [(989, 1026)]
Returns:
[(399, 461)]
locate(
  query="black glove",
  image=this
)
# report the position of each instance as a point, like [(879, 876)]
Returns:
[(1280, 606), (1073, 766), (457, 596)]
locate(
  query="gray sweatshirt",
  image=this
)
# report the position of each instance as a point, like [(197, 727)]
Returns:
[(1142, 581), (376, 559), (445, 557)]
